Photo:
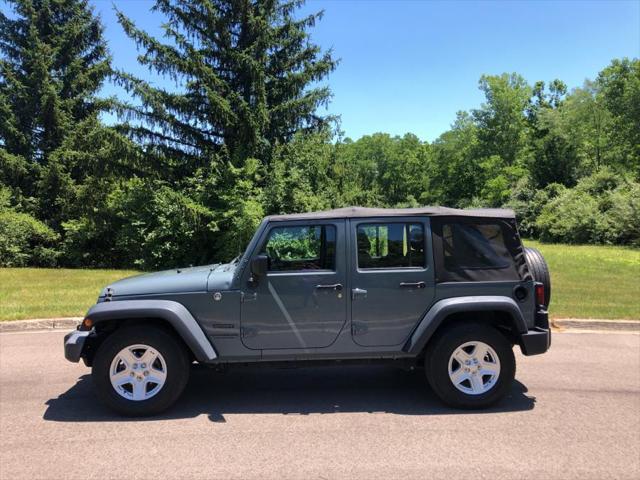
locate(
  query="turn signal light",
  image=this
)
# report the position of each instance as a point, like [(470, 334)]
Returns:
[(539, 294), (87, 323)]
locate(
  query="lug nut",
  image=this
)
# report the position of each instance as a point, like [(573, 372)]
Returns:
[(146, 373), (144, 365)]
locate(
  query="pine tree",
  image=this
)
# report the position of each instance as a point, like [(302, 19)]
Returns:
[(53, 61), (248, 78)]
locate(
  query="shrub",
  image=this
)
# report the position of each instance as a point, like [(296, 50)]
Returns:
[(602, 208), (24, 240)]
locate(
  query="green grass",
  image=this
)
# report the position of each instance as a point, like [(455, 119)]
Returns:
[(587, 282), (592, 281), (50, 293)]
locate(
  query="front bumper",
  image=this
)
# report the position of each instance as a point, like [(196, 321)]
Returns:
[(74, 343)]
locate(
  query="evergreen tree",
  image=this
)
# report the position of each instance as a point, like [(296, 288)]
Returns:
[(53, 60), (247, 76)]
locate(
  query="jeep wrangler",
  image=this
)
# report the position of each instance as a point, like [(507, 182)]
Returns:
[(452, 291)]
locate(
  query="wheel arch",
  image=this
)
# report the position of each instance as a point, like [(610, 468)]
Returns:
[(168, 315), (500, 311)]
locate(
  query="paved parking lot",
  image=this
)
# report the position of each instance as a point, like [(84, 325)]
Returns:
[(573, 413)]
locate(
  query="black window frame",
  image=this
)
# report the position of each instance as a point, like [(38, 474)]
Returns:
[(464, 266), (323, 244), (407, 224), (516, 270)]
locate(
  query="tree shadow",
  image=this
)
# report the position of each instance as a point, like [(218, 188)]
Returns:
[(303, 391)]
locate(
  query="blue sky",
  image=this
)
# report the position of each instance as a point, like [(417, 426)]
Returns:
[(408, 66)]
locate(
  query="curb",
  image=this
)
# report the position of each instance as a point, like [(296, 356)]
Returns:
[(596, 324), (39, 324)]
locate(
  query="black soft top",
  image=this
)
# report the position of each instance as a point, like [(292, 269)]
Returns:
[(355, 212)]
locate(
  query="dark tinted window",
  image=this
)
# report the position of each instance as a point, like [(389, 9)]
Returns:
[(390, 245), (474, 246), (301, 248)]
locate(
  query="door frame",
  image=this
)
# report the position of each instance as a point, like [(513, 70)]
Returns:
[(344, 258), (428, 270)]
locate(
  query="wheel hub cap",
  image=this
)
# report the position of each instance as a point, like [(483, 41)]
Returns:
[(138, 372), (474, 368)]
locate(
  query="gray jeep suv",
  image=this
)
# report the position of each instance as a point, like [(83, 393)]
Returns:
[(448, 290)]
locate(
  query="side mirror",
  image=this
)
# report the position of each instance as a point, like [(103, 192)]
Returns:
[(259, 265)]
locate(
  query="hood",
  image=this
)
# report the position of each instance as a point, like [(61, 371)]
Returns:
[(181, 280)]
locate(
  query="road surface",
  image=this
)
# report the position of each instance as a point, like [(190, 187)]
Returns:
[(573, 413)]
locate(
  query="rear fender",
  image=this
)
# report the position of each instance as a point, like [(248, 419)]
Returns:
[(442, 309)]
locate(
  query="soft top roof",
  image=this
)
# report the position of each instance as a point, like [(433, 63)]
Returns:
[(355, 212)]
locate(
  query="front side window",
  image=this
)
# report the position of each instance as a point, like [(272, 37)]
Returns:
[(391, 245), (301, 248)]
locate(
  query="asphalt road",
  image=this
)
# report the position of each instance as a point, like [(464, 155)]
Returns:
[(574, 413)]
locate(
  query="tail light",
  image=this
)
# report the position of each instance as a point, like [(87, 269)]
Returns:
[(539, 293)]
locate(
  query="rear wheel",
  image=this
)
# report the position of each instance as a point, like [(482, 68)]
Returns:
[(140, 370), (470, 365)]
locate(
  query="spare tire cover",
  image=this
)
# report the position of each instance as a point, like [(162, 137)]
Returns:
[(539, 270)]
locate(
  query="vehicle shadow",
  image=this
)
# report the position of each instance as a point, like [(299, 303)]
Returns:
[(303, 391)]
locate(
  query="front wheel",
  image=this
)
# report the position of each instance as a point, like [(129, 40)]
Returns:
[(470, 365), (140, 370)]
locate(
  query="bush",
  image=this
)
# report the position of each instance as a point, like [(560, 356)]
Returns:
[(602, 208), (528, 201), (572, 217), (623, 217), (24, 240), (142, 223)]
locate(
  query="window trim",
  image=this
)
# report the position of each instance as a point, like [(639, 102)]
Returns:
[(320, 271), (371, 221)]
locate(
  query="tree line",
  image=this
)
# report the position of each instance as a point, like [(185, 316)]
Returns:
[(186, 174)]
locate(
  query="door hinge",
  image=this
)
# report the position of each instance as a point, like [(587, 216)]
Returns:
[(247, 332), (358, 293), (248, 297), (358, 328)]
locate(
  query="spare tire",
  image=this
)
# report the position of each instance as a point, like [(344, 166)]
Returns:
[(539, 270)]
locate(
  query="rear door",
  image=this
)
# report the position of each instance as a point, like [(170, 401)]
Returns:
[(392, 281)]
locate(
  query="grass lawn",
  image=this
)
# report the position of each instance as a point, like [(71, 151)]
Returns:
[(50, 293), (592, 281), (587, 282)]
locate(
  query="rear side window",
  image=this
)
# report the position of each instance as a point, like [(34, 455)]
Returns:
[(299, 248), (468, 246), (390, 245)]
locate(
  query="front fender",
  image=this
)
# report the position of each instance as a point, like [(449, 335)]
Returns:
[(173, 312), (443, 308)]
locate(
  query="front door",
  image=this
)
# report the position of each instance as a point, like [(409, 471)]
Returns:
[(301, 302), (392, 282)]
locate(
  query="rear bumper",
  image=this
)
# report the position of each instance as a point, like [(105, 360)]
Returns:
[(73, 344), (537, 340)]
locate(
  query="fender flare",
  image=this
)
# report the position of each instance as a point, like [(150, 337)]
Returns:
[(173, 312), (443, 308)]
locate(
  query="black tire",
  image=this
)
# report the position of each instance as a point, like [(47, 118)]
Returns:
[(177, 370), (442, 347), (539, 270)]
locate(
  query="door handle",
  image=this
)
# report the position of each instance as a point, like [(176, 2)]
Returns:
[(413, 285), (337, 287), (358, 293)]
